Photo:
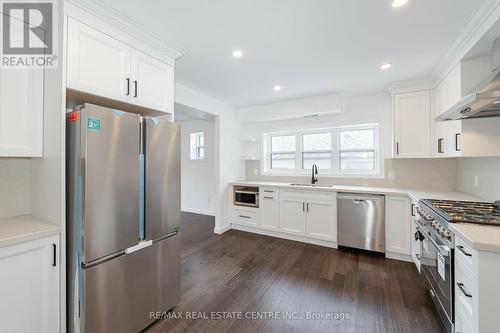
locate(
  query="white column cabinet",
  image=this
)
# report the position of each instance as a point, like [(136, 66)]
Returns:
[(29, 285), (97, 63), (412, 124), (397, 225), (101, 65)]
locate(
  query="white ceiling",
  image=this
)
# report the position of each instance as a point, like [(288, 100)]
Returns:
[(307, 46)]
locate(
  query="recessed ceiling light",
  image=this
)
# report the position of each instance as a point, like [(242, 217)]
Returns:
[(399, 3), (277, 88), (237, 53), (386, 66)]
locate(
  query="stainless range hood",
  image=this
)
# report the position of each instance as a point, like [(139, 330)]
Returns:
[(485, 102)]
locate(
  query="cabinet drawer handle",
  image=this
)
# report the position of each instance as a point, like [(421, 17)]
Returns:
[(461, 248), (461, 286), (418, 256), (268, 198), (128, 86), (54, 255), (268, 191), (246, 217), (440, 146)]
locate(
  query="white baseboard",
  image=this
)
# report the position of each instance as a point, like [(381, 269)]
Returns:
[(398, 256), (278, 234), (198, 211), (222, 230)]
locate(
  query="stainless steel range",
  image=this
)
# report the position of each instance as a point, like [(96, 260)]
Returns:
[(438, 245)]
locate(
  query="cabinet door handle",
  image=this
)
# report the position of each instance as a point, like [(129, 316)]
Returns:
[(54, 255), (440, 145), (245, 217), (135, 88), (303, 206), (417, 255), (397, 148), (412, 209), (461, 248), (128, 86), (461, 286), (457, 138), (307, 207)]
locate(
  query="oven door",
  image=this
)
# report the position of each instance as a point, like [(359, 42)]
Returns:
[(437, 266)]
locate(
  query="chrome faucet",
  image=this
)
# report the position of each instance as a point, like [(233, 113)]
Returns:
[(314, 171)]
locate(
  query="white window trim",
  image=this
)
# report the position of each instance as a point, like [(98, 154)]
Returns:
[(194, 146), (378, 172)]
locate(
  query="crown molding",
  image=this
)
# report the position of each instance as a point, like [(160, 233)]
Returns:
[(482, 20), (108, 14)]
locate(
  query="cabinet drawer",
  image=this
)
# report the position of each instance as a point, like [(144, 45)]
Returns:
[(464, 292), (463, 322), (268, 192), (241, 216), (464, 254)]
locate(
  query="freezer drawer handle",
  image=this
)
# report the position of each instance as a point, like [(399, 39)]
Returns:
[(139, 246)]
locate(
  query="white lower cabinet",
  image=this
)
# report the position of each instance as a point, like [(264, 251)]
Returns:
[(292, 215), (321, 216), (269, 209), (416, 244), (308, 216), (29, 286), (398, 225)]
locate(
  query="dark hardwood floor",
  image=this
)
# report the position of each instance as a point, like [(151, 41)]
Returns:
[(245, 273)]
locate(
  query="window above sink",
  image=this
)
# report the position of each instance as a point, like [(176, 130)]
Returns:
[(351, 151)]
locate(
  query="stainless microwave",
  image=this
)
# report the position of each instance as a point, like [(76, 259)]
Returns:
[(246, 196)]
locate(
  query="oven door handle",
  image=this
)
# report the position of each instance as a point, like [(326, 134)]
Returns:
[(442, 249)]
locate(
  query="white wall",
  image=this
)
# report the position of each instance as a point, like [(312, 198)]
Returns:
[(15, 187), (198, 176), (361, 109), (228, 165), (487, 170)]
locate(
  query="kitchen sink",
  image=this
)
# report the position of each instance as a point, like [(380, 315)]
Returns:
[(312, 185)]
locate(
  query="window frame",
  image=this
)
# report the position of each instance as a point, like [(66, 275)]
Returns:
[(196, 146), (336, 170)]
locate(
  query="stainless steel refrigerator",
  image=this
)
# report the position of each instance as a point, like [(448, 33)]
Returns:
[(123, 219)]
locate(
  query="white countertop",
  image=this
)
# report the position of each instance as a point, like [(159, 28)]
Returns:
[(23, 228), (415, 194), (479, 237), (482, 238)]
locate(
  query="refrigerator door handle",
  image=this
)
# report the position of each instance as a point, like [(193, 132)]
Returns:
[(139, 246)]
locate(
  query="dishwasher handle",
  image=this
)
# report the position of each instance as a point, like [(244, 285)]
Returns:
[(360, 198)]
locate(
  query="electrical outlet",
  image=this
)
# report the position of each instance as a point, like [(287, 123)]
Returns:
[(391, 175), (476, 180)]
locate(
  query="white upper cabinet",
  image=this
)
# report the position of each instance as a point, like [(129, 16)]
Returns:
[(101, 65), (21, 110), (412, 128), (153, 83), (97, 63)]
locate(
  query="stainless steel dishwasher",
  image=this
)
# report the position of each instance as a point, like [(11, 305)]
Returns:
[(361, 221)]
